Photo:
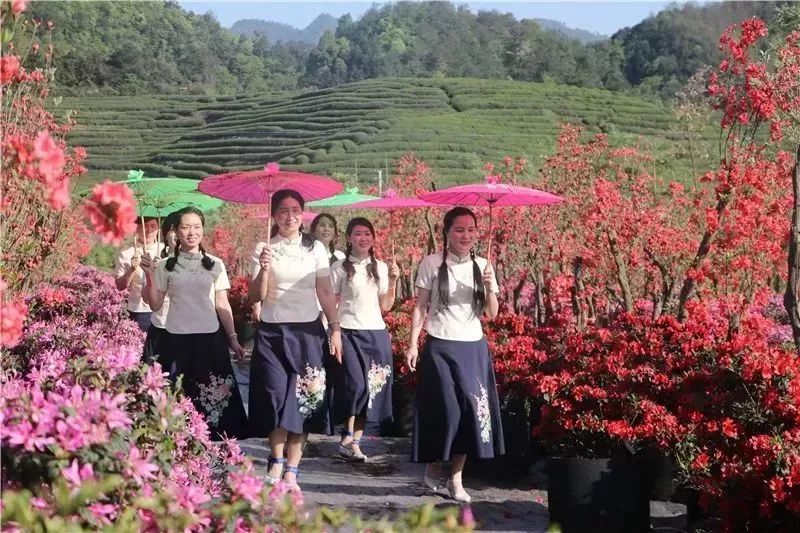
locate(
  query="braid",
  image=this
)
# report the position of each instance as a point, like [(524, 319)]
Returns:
[(331, 255), (307, 241), (478, 290), (372, 267), (443, 280), (348, 265), (207, 262), (172, 261)]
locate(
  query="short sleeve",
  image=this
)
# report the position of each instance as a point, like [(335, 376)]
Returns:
[(161, 276), (121, 264), (322, 264), (383, 278), (255, 264), (221, 281), (337, 273), (426, 273)]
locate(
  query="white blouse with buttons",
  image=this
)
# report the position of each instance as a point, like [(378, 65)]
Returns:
[(359, 297), (457, 322), (192, 293), (293, 275)]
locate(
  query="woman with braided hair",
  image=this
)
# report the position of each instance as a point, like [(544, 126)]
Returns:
[(457, 413), (362, 384), (199, 325), (324, 229)]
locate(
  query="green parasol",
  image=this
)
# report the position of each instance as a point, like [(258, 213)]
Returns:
[(348, 197), (156, 193), (161, 206)]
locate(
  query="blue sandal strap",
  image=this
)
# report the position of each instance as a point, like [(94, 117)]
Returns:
[(275, 460), (346, 433), (356, 442), (293, 469)]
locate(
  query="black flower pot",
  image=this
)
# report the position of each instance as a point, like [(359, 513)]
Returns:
[(245, 330), (658, 475), (598, 495), (403, 412)]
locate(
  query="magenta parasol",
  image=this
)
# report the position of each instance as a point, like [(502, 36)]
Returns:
[(491, 193), (258, 186)]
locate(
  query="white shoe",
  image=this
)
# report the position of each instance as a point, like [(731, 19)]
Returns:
[(460, 495), (348, 453)]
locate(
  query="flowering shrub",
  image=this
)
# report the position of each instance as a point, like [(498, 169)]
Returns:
[(40, 234), (239, 299), (95, 439)]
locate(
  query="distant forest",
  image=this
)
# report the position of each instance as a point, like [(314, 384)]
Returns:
[(159, 48)]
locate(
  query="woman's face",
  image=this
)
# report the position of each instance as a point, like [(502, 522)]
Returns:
[(462, 235), (288, 216), (325, 231), (171, 237), (190, 231), (150, 230), (361, 239)]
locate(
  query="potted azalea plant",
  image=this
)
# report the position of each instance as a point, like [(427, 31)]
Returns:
[(605, 397), (240, 306)]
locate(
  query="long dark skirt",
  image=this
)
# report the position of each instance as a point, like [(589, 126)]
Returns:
[(204, 363), (152, 348), (287, 378), (362, 384), (456, 410), (141, 319)]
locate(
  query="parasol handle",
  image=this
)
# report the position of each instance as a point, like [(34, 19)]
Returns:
[(491, 233), (144, 236)]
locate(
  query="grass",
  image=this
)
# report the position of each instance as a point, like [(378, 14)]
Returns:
[(456, 125)]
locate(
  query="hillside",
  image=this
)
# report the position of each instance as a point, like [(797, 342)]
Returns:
[(578, 34), (277, 31), (454, 124)]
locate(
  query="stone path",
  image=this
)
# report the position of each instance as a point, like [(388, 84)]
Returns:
[(389, 483)]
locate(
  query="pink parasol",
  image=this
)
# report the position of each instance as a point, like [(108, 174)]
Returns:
[(391, 201), (491, 193), (258, 186)]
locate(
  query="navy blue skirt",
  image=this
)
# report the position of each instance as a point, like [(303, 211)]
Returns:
[(152, 347), (456, 410), (362, 384), (141, 319), (204, 363), (288, 378)]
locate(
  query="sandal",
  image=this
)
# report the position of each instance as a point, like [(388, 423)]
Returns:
[(270, 480), (293, 470)]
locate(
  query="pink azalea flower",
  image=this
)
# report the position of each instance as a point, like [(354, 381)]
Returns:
[(139, 468), (272, 167), (12, 319), (247, 487), (492, 179), (112, 211), (103, 512), (9, 68), (58, 194), (467, 519), (50, 155), (18, 6), (75, 476)]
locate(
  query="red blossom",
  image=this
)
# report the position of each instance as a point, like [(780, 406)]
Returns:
[(111, 209)]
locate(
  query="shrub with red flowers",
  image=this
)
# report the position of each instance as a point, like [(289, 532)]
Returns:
[(239, 299), (40, 234)]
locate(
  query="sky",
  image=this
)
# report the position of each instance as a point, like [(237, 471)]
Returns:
[(596, 16)]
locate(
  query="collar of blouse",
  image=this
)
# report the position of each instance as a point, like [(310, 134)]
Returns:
[(453, 258), (356, 261)]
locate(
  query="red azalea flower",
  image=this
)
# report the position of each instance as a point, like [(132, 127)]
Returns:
[(112, 211)]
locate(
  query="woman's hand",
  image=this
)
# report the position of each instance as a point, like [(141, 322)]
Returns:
[(238, 351), (336, 344), (255, 312), (488, 276), (394, 271), (149, 263), (412, 354), (265, 259)]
